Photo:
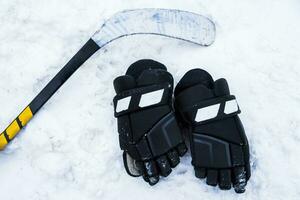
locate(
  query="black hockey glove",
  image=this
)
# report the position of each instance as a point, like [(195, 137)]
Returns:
[(148, 131), (219, 146)]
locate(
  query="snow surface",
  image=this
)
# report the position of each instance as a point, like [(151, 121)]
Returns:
[(70, 149)]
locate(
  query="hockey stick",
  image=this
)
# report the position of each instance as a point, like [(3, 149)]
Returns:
[(177, 24)]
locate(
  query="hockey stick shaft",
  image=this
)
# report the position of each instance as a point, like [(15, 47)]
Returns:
[(60, 78)]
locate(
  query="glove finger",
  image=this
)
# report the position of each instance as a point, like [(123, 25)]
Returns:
[(221, 87), (157, 76), (133, 167), (225, 179), (153, 180), (122, 83), (164, 165), (173, 158), (181, 149), (200, 172), (136, 69), (151, 172), (239, 179), (247, 164), (212, 177), (248, 170), (145, 177), (193, 77)]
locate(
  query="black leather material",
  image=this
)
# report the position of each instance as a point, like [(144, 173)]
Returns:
[(219, 146), (149, 134)]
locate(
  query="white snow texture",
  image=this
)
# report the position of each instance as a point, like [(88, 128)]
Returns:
[(70, 150)]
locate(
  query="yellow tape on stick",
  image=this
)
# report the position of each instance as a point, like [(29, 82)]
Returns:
[(3, 141), (25, 116)]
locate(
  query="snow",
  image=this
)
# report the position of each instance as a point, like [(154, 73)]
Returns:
[(70, 149)]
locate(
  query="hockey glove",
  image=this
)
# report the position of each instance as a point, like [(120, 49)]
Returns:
[(148, 132), (219, 146)]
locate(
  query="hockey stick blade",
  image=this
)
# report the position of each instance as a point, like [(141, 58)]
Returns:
[(176, 24)]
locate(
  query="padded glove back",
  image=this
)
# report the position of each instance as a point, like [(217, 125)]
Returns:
[(219, 145), (148, 132)]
